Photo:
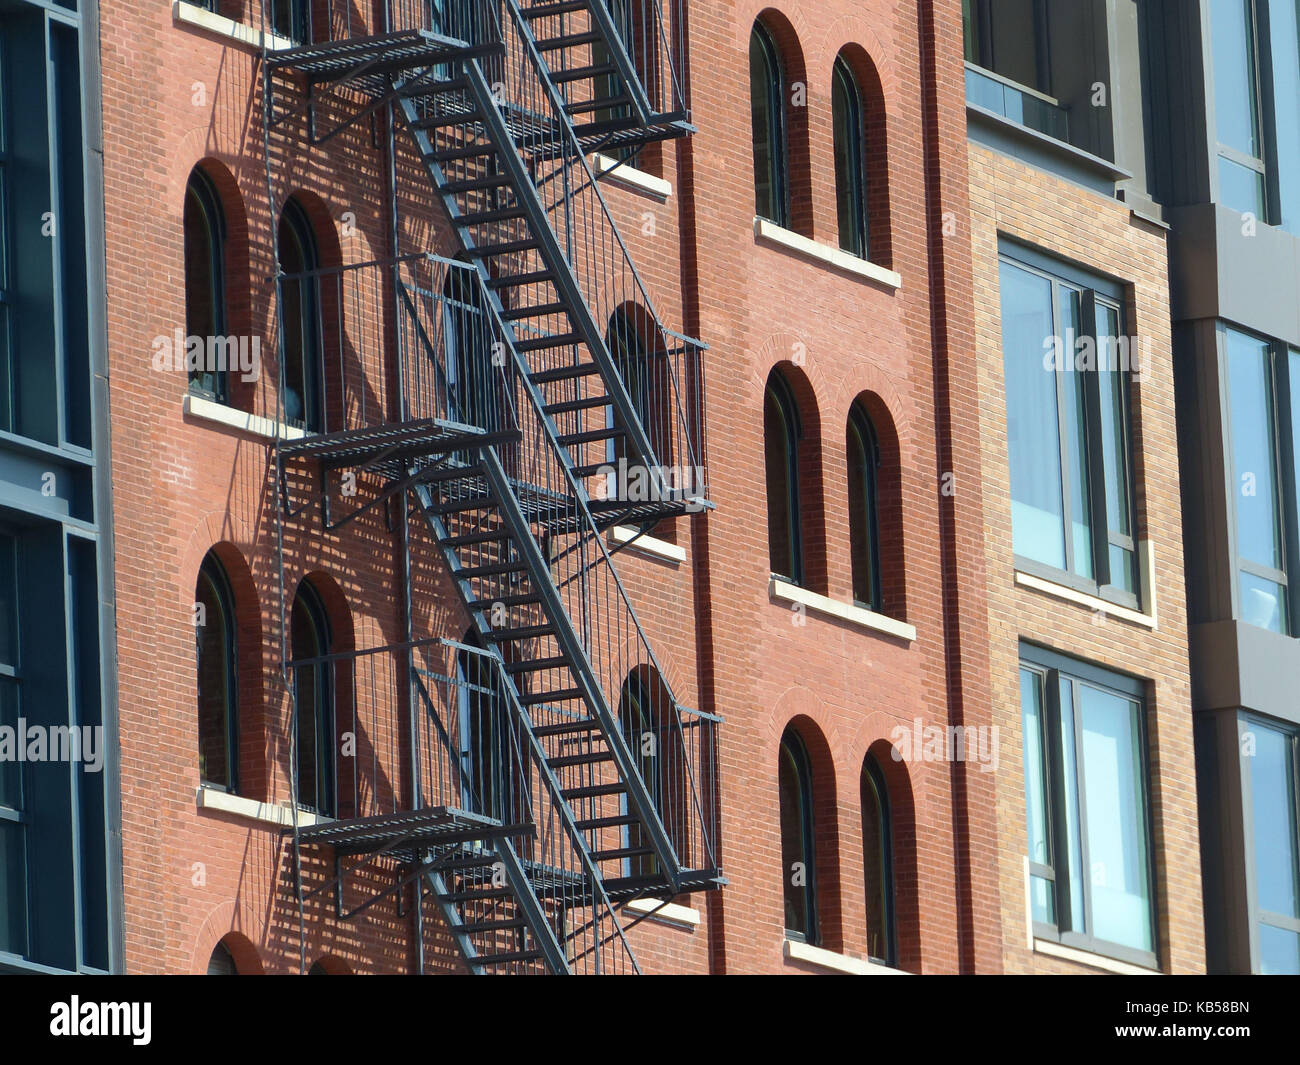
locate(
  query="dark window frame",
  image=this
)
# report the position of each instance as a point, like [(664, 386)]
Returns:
[(867, 523), (1050, 666), (1094, 291), (783, 395), (851, 185), (295, 220), (873, 775), (637, 715), (291, 19), (14, 817), (213, 217), (324, 712), (793, 743), (213, 571), (480, 703), (773, 96)]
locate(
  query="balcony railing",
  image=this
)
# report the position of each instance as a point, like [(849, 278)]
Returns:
[(1018, 103)]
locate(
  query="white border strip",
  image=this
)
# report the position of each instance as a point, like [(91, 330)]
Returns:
[(1096, 603), (771, 233), (784, 591), (793, 950), (646, 545), (629, 177), (668, 913), (210, 22), (219, 414), (265, 812)]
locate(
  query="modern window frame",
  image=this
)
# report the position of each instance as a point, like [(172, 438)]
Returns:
[(1247, 721), (1050, 666), (1286, 455), (13, 815), (213, 571), (1094, 292), (297, 28), (793, 743), (773, 89), (780, 390), (851, 158)]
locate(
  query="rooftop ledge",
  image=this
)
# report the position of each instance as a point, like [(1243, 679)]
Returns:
[(766, 232), (207, 410), (793, 950), (785, 592), (220, 26)]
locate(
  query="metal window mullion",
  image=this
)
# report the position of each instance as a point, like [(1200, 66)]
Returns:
[(1080, 785), (1266, 113), (1098, 518), (1062, 437), (1057, 818), (1286, 470)]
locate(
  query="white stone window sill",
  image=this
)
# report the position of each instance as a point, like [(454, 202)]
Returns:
[(263, 812), (665, 913), (770, 233), (1147, 567), (647, 545), (221, 26), (207, 410), (793, 950), (629, 177), (785, 592), (1086, 957)]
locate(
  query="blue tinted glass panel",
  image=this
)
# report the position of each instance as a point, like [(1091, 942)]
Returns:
[(1273, 806), (1235, 107)]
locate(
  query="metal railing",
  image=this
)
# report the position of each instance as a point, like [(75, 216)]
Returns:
[(315, 23)]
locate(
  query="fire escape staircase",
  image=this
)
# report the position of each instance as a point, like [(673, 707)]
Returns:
[(503, 118)]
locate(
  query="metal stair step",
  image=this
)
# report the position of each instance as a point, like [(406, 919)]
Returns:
[(564, 761), (476, 896), (566, 728), (589, 403), (509, 247), (579, 73), (441, 121), (470, 572), (590, 436), (536, 665), (562, 695), (456, 506), (532, 277), (554, 340), (569, 40), (481, 218), (593, 823), (586, 107), (505, 959), (621, 852), (564, 373), (472, 151), (554, 7), (521, 632), (487, 605), (474, 927), (592, 791), (488, 536), (533, 310), (450, 473), (481, 861), (591, 469), (493, 181)]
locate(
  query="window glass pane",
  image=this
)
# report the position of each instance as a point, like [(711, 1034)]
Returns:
[(970, 31), (213, 641), (846, 117), (1033, 433), (875, 860), (1273, 806), (1036, 798), (11, 780), (1279, 951), (1259, 532), (1076, 436), (1232, 39), (1263, 603), (794, 845), (782, 515), (1115, 798), (862, 512), (1114, 420), (1070, 787), (1241, 188), (8, 601), (764, 94), (1285, 44), (1123, 571)]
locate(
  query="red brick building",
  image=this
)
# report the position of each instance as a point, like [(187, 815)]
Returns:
[(465, 699)]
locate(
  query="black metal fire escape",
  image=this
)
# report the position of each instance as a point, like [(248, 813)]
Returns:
[(537, 401)]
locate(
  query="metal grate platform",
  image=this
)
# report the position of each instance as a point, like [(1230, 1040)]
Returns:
[(404, 835), (368, 61), (393, 444)]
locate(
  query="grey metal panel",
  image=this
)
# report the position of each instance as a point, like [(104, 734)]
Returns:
[(1235, 665)]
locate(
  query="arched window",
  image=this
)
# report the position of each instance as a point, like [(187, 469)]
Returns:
[(877, 863), (214, 640), (798, 865), (767, 106), (313, 701), (850, 160), (781, 445), (636, 356), (486, 775), (641, 716), (222, 962), (300, 317), (204, 224), (864, 524)]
